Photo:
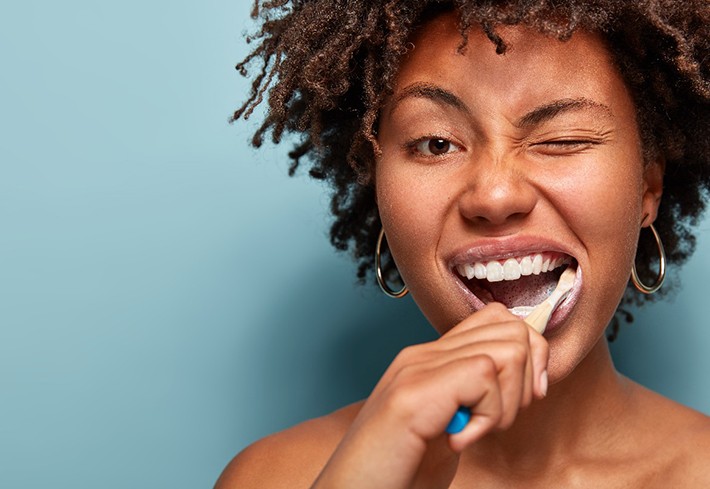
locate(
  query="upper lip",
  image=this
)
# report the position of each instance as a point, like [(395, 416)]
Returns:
[(501, 249)]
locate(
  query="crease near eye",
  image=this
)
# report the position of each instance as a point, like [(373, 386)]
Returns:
[(564, 146), (568, 142)]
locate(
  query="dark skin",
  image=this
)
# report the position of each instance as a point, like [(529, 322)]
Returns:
[(475, 166)]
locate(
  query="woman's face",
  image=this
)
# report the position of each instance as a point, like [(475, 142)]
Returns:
[(496, 165)]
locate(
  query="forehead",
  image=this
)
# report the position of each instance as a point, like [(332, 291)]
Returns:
[(534, 67)]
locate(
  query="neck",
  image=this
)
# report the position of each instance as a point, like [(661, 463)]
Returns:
[(581, 414)]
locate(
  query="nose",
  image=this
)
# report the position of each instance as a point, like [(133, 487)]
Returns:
[(497, 193)]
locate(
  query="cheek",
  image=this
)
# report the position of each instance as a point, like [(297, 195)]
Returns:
[(603, 196), (603, 209), (411, 208)]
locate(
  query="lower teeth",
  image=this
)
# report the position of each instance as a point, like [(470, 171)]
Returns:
[(522, 311)]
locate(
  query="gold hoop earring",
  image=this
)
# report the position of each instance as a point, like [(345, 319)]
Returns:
[(380, 277), (645, 289)]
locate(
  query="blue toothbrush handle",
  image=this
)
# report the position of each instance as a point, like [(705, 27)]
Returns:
[(459, 420)]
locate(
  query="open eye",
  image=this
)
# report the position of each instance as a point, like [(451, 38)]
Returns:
[(434, 146)]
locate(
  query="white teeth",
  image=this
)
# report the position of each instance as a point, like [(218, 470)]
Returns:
[(522, 311), (511, 269), (494, 271), (526, 266)]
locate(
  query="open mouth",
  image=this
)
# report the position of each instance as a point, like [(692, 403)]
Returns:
[(521, 283)]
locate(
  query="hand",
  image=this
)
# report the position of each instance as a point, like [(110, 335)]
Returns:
[(492, 362)]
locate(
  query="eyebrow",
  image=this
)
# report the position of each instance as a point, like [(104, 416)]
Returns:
[(536, 116), (545, 112), (433, 93)]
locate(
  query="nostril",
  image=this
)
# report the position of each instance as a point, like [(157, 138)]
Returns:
[(497, 204)]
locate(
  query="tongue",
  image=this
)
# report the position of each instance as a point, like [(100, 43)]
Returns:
[(526, 291)]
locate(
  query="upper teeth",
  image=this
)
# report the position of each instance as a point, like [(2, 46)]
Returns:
[(512, 268)]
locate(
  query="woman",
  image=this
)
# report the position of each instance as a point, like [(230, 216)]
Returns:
[(491, 146)]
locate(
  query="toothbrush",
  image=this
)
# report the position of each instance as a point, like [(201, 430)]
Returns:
[(537, 319)]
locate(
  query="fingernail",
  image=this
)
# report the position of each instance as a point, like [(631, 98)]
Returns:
[(543, 383)]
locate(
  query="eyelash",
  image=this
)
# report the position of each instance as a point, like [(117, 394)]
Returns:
[(563, 147), (413, 146), (568, 142)]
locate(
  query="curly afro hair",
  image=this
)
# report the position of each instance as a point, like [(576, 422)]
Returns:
[(327, 66)]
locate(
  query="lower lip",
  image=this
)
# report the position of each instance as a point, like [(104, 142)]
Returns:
[(563, 311)]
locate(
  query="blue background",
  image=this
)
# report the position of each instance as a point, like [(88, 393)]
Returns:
[(167, 294)]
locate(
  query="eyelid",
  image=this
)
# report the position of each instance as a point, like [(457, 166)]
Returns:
[(412, 145), (564, 146), (567, 142), (570, 136)]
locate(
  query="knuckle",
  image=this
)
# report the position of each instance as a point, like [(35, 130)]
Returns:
[(403, 355), (515, 331), (404, 376), (512, 356), (485, 365), (518, 353), (403, 397), (407, 355), (521, 331)]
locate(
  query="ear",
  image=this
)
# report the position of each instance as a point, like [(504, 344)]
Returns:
[(652, 190)]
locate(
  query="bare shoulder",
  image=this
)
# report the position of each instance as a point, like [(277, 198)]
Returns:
[(681, 439), (693, 448), (290, 459)]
